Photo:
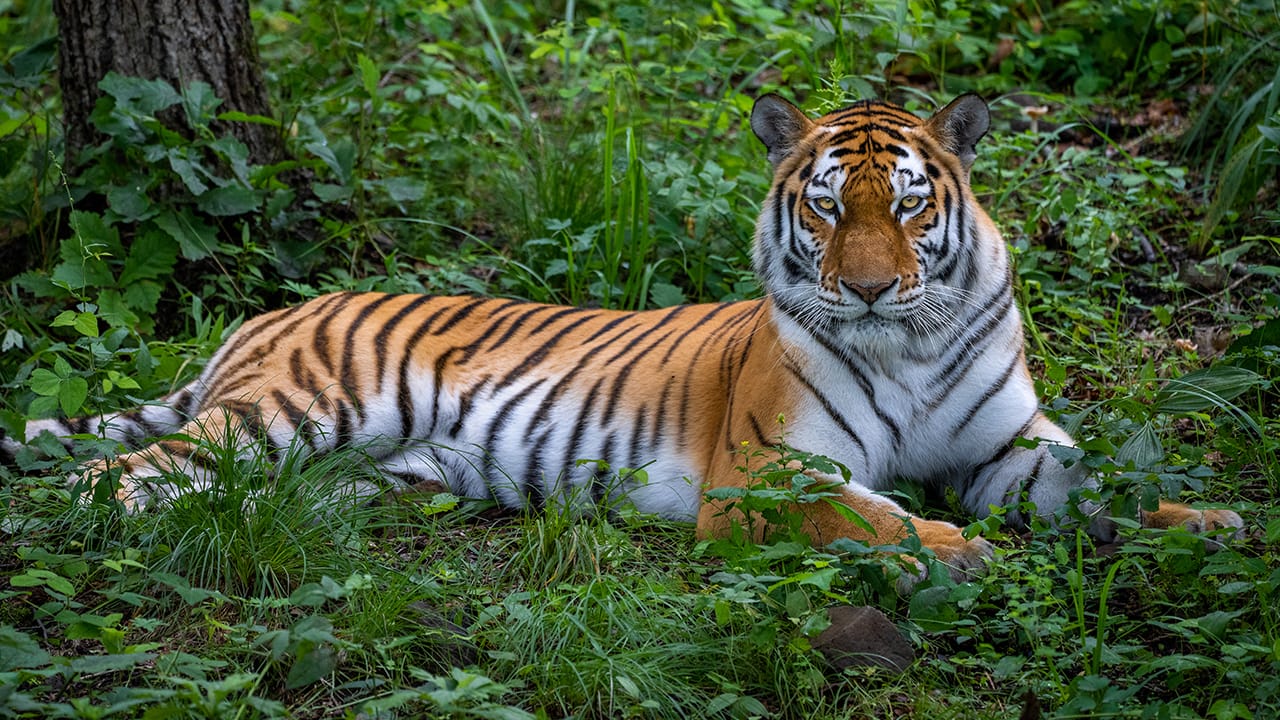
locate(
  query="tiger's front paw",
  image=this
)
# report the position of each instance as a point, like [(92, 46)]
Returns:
[(1219, 526), (965, 559)]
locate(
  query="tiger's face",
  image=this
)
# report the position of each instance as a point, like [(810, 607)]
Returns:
[(868, 235)]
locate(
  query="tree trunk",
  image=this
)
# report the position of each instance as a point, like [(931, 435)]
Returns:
[(178, 41)]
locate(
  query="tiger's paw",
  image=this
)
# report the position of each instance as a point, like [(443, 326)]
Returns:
[(965, 559), (135, 489), (1218, 526)]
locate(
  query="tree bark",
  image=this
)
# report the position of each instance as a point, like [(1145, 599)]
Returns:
[(178, 41)]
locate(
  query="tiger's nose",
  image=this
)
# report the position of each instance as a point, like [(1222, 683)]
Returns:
[(869, 292)]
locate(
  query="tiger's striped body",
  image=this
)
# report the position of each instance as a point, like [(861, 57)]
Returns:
[(888, 340)]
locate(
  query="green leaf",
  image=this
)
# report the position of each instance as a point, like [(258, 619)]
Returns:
[(403, 189), (850, 515), (36, 577), (665, 295), (86, 324), (90, 664), (188, 171), (43, 382), (72, 394), (1143, 447), (368, 74), (114, 310), (311, 665), (1205, 389), (1160, 55), (229, 200), (237, 116), (1272, 534), (196, 239), (820, 579), (199, 102), (339, 155), (144, 96), (18, 650), (34, 61), (130, 202), (151, 257), (142, 296)]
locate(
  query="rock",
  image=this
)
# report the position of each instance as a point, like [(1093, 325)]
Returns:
[(861, 636)]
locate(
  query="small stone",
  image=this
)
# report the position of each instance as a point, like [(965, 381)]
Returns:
[(861, 636)]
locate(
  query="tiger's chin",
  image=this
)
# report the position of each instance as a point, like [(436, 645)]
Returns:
[(876, 337)]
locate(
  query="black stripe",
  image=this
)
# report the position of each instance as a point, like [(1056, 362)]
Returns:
[(497, 425), (464, 406), (320, 334), (580, 429), (468, 307), (534, 358), (349, 349), (381, 352), (828, 407), (990, 392)]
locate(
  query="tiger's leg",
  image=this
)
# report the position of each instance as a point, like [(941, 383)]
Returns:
[(148, 475), (890, 524), (1018, 473)]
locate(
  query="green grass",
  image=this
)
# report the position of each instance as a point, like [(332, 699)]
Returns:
[(600, 156)]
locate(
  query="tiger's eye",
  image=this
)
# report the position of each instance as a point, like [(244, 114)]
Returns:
[(825, 204), (910, 202)]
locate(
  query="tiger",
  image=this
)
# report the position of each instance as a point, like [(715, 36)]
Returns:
[(887, 339)]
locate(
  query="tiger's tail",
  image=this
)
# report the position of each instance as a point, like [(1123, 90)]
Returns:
[(130, 428)]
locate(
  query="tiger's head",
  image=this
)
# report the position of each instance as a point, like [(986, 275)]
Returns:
[(870, 237)]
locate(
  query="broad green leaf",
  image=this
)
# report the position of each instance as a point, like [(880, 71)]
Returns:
[(820, 578), (1143, 447), (115, 311), (339, 155), (32, 62), (90, 664), (188, 171), (144, 96), (404, 189), (72, 394), (311, 665), (142, 295), (36, 577), (130, 202), (199, 102), (1205, 389), (229, 200), (86, 324), (19, 650), (235, 153), (368, 74), (44, 382), (665, 295), (152, 256), (196, 239)]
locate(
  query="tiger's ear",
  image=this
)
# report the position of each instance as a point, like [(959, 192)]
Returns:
[(960, 125), (779, 125)]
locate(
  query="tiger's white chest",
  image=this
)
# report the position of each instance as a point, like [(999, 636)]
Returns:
[(884, 425)]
